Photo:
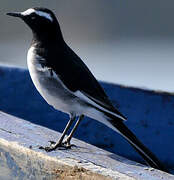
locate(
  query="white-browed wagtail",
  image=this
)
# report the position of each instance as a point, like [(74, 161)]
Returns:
[(67, 84)]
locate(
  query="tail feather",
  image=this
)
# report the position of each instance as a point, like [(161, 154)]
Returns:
[(146, 154)]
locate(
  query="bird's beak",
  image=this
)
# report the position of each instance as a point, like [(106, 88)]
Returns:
[(15, 14)]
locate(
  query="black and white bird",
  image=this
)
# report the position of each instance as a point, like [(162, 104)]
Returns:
[(67, 84)]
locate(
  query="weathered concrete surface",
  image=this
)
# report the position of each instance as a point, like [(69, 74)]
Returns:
[(150, 115), (21, 158)]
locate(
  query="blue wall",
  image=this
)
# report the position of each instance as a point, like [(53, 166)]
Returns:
[(150, 115)]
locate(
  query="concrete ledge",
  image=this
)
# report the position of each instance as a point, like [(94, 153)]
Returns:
[(21, 158)]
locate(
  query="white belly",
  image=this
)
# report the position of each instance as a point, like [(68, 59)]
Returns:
[(56, 94), (51, 87)]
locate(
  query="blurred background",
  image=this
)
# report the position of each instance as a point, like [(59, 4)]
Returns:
[(125, 42)]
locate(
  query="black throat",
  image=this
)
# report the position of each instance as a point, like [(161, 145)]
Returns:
[(48, 36)]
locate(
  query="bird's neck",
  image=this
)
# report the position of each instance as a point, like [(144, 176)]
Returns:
[(47, 38)]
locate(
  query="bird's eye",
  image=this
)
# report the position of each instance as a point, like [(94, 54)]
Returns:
[(33, 17)]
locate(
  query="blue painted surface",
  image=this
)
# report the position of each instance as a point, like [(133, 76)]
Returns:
[(150, 115)]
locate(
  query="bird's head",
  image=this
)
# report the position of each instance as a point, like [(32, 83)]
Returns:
[(42, 21)]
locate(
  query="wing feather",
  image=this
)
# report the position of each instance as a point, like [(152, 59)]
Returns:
[(77, 77)]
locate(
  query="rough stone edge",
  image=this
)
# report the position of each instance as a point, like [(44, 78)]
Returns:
[(49, 164)]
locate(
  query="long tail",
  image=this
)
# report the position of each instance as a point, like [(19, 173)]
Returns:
[(146, 154)]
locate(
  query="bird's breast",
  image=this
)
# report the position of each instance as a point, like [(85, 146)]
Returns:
[(49, 85)]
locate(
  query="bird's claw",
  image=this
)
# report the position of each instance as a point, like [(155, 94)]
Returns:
[(52, 142), (60, 146), (67, 144)]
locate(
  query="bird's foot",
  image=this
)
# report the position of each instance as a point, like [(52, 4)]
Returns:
[(53, 146), (68, 144), (52, 142)]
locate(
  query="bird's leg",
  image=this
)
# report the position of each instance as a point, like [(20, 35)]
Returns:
[(59, 143), (68, 139)]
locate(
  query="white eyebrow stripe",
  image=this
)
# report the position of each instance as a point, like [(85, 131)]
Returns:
[(28, 12), (44, 14), (40, 13)]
